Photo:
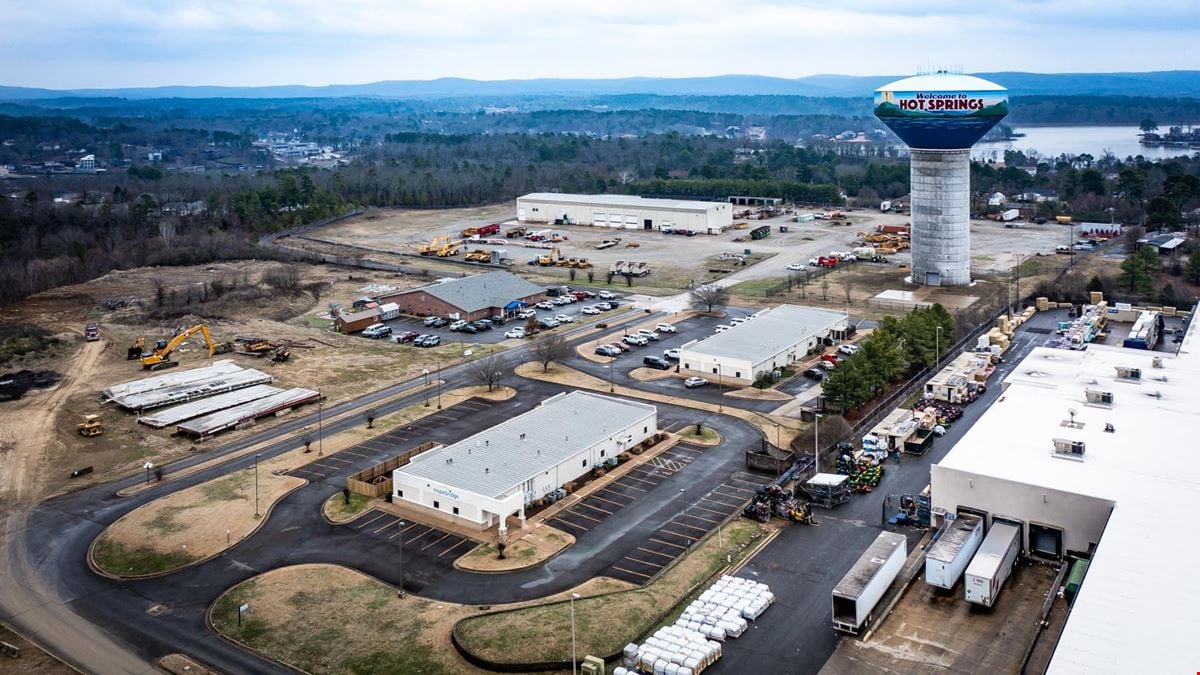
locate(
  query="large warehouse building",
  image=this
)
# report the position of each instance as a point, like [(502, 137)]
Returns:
[(625, 212), (1094, 453), (482, 480), (772, 339)]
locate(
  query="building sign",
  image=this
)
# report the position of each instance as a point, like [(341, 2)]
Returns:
[(940, 119), (447, 492)]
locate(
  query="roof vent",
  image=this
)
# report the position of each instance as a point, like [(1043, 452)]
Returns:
[(486, 470), (1097, 397), (1127, 373), (1069, 449), (1157, 362)]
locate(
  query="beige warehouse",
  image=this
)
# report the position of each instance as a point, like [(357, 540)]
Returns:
[(625, 212)]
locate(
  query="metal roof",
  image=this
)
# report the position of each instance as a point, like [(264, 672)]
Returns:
[(494, 461), (952, 540), (942, 81), (769, 333), (869, 564), (630, 201), (482, 291)]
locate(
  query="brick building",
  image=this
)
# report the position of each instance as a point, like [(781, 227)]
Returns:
[(470, 298)]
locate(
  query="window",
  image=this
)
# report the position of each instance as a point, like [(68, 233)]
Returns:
[(399, 493), (436, 505), (737, 373), (645, 430), (456, 510), (585, 462), (714, 371), (602, 452)]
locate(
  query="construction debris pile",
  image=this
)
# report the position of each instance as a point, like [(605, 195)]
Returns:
[(945, 413), (864, 472), (721, 612), (772, 500)]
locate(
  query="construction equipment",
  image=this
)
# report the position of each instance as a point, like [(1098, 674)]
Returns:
[(91, 332), (160, 358), (136, 349), (281, 354), (90, 426), (516, 232), (450, 249), (478, 256), (480, 231), (550, 258), (434, 247)]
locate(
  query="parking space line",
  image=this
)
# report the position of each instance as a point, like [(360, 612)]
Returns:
[(568, 523), (582, 515), (338, 459), (667, 543), (668, 557), (631, 487), (664, 530), (434, 543), (427, 531), (697, 506), (707, 520), (734, 496), (410, 526), (460, 543), (688, 448), (594, 508), (608, 490), (607, 501), (386, 526), (643, 480), (644, 576), (643, 562), (371, 521)]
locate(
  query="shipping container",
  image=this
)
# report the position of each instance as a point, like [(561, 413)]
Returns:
[(760, 232), (992, 564), (1079, 570), (949, 555), (1010, 215), (855, 596), (389, 311)]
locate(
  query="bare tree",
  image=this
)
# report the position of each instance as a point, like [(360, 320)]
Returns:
[(282, 276), (167, 228), (710, 297), (848, 287), (487, 371), (824, 289), (550, 349)]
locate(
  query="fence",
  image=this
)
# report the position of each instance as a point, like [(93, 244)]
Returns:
[(376, 481)]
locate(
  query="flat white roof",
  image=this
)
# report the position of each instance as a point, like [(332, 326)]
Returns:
[(494, 461), (769, 333), (1136, 609), (629, 201)]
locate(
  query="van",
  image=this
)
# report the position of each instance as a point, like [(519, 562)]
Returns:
[(431, 320)]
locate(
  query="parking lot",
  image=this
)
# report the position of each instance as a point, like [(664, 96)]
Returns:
[(646, 558), (415, 539), (496, 334)]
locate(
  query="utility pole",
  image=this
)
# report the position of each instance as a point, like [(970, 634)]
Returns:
[(400, 545), (937, 346), (320, 429), (257, 513), (439, 383), (816, 444), (686, 532), (574, 663), (611, 361)]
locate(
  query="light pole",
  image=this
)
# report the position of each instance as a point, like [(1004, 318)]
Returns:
[(574, 670), (425, 372), (816, 444), (400, 545), (937, 346), (686, 533), (439, 383), (611, 362), (147, 466), (257, 513), (719, 385), (320, 428)]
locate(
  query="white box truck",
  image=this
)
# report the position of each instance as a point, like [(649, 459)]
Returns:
[(1010, 215), (992, 564), (949, 555), (855, 596)]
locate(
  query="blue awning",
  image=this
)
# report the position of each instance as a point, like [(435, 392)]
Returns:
[(515, 304)]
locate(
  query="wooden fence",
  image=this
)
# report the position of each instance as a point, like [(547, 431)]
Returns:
[(376, 481)]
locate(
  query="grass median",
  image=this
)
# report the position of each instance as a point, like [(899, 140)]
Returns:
[(606, 623)]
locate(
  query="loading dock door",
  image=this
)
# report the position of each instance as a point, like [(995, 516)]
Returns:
[(1045, 541), (933, 278), (983, 515), (647, 224)]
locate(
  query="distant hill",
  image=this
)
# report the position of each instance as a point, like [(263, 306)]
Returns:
[(1176, 83)]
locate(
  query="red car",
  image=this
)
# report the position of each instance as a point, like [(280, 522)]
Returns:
[(406, 336)]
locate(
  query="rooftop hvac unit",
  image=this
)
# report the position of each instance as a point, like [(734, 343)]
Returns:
[(1100, 397), (1127, 373), (1157, 362), (1068, 448)]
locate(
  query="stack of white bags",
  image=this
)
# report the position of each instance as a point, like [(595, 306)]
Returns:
[(691, 645)]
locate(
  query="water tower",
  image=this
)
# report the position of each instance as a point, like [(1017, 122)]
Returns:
[(940, 116)]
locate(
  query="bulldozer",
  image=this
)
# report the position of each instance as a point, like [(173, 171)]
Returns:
[(90, 426), (136, 349), (435, 246), (479, 256), (160, 358), (550, 258)]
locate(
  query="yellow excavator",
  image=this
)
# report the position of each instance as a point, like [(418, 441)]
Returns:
[(551, 257), (160, 358), (434, 246)]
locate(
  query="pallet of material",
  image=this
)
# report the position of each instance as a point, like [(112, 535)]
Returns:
[(186, 411), (247, 412), (182, 393), (171, 379)]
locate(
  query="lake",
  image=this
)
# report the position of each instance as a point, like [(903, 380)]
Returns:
[(1052, 141)]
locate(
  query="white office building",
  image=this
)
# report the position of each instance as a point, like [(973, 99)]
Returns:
[(625, 212), (1095, 452), (482, 480), (772, 339)]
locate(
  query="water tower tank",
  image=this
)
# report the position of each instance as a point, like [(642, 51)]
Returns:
[(940, 116)]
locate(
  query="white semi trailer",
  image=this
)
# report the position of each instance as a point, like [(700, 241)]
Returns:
[(855, 596), (992, 564), (949, 555)]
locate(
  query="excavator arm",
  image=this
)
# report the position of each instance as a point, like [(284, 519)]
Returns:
[(163, 355)]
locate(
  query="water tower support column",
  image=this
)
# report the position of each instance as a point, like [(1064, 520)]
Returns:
[(941, 210)]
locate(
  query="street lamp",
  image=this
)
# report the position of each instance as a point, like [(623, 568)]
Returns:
[(574, 670), (816, 444), (611, 362), (937, 347), (257, 513), (320, 428), (400, 537), (147, 466), (439, 383), (425, 372), (719, 386), (686, 533)]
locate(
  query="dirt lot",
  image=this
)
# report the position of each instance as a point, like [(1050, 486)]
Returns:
[(340, 366)]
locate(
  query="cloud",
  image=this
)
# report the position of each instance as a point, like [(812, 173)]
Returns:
[(61, 44)]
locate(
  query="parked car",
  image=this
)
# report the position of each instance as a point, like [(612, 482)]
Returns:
[(563, 318), (427, 341), (693, 382), (621, 347), (589, 310), (671, 355), (563, 300), (612, 304), (827, 365), (636, 340), (545, 304), (526, 313), (547, 322), (656, 362), (469, 328), (723, 327), (457, 325), (815, 374), (483, 323), (797, 267), (583, 295), (406, 336), (376, 331), (608, 350), (606, 295), (848, 350), (497, 320), (666, 328), (515, 333), (432, 321), (602, 306), (648, 334), (738, 321)]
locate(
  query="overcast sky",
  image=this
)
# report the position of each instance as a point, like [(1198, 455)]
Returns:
[(116, 43)]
